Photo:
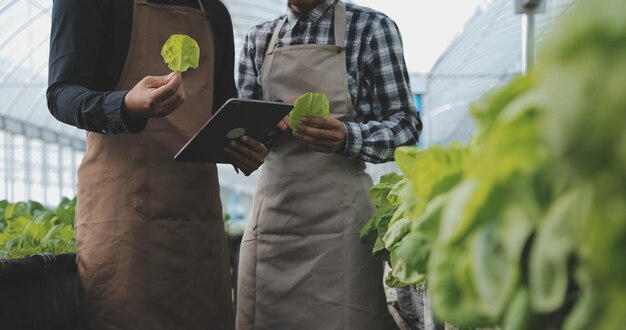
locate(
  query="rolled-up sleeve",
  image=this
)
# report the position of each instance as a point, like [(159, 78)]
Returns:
[(75, 46), (388, 98)]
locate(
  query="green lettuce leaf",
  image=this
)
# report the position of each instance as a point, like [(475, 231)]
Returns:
[(582, 314), (396, 232), (406, 257), (453, 296), (378, 193), (583, 70), (375, 229), (554, 244), (309, 104), (180, 53), (398, 189), (497, 257), (519, 316), (393, 282)]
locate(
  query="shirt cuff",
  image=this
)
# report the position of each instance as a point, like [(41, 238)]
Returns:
[(116, 121), (354, 140)]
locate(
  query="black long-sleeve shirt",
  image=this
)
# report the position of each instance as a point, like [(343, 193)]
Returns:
[(88, 45)]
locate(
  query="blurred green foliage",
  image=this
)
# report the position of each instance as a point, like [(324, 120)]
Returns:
[(525, 227)]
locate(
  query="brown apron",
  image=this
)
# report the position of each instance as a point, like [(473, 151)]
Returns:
[(302, 265), (151, 245)]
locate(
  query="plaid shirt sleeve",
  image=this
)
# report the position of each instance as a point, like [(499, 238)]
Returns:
[(247, 71), (388, 95)]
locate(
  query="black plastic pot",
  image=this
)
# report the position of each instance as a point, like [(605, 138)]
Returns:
[(39, 292)]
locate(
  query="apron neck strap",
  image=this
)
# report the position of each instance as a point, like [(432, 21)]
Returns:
[(272, 44), (201, 6), (340, 28), (340, 24)]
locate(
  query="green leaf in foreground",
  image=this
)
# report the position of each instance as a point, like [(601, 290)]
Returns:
[(181, 52), (309, 104)]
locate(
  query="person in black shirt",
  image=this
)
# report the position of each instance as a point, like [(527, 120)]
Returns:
[(151, 248), (88, 46)]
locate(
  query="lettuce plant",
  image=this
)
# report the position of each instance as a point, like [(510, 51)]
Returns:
[(526, 226), (29, 228)]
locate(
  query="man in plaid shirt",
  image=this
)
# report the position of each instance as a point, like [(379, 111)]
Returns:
[(384, 115), (302, 265)]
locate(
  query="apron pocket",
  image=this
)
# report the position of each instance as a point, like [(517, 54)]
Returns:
[(301, 204)]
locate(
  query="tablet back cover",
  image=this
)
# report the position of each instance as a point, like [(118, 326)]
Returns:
[(253, 118)]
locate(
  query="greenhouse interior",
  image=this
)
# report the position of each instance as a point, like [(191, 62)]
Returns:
[(509, 212)]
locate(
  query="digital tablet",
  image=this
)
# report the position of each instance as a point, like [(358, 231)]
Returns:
[(237, 117)]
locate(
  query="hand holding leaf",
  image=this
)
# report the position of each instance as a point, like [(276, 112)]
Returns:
[(161, 95), (154, 97)]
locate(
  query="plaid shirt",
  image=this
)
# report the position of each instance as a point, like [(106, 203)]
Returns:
[(384, 115)]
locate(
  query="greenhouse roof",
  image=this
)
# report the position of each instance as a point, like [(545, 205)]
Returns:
[(24, 47), (25, 31)]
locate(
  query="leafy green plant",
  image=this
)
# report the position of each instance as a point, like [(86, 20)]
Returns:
[(28, 228), (181, 52), (309, 104), (376, 228), (524, 227)]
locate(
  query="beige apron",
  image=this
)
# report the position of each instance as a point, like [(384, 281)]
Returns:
[(151, 245), (302, 265)]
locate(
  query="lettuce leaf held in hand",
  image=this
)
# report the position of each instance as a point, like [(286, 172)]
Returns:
[(309, 104), (180, 53)]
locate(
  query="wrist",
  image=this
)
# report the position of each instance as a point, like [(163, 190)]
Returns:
[(131, 121), (353, 142), (130, 109)]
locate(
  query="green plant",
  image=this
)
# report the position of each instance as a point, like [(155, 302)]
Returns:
[(525, 226), (29, 228)]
